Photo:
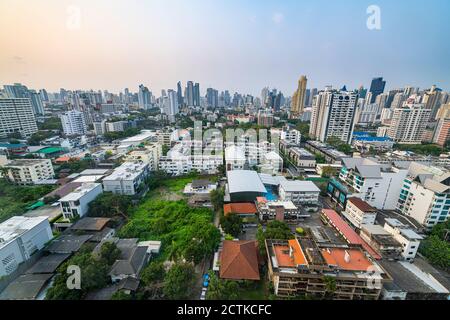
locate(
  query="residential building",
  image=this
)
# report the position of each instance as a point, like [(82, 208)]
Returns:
[(235, 158), (302, 158), (127, 179), (29, 171), (381, 241), (299, 192), (408, 123), (242, 209), (278, 210), (76, 203), (20, 238), (303, 267), (117, 126), (291, 135), (200, 186), (149, 154), (265, 118), (99, 127), (330, 154), (298, 98), (407, 237), (441, 133), (379, 184), (425, 194), (17, 116), (333, 115), (73, 123), (359, 213), (144, 97), (239, 260)]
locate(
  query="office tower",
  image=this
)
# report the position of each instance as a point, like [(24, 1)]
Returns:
[(73, 123), (376, 88), (333, 115), (298, 98), (432, 99), (144, 97), (179, 94), (212, 98), (18, 90), (278, 101), (17, 116), (409, 122), (173, 102), (307, 97), (362, 92), (189, 94), (44, 95), (197, 95), (264, 95)]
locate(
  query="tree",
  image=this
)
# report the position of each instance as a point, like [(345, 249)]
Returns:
[(220, 289), (328, 172), (179, 281), (121, 295), (274, 230), (436, 251), (153, 272), (109, 253), (231, 224), (330, 286), (109, 204), (217, 198)]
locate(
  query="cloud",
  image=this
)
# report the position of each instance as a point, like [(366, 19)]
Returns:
[(277, 17)]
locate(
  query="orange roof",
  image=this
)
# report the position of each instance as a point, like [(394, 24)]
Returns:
[(239, 208), (62, 159), (261, 199), (356, 260), (284, 258), (239, 260)]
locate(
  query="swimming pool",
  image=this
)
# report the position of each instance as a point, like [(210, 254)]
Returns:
[(270, 194)]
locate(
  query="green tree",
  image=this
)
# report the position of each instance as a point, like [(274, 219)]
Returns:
[(220, 289), (109, 253), (121, 295), (328, 172), (274, 230), (231, 224), (217, 198), (109, 204), (179, 281), (153, 272)]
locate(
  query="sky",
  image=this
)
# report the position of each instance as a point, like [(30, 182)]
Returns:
[(225, 44)]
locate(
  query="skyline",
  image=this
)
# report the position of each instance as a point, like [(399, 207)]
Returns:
[(152, 43)]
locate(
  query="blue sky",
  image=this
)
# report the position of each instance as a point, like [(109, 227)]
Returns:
[(226, 44)]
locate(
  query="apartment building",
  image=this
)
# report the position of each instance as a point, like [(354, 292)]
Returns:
[(379, 184), (127, 179), (20, 238), (407, 237), (302, 158), (425, 194), (148, 154), (333, 115), (76, 203), (381, 241), (17, 116), (74, 123), (359, 213), (29, 171), (299, 192), (301, 266), (408, 123)]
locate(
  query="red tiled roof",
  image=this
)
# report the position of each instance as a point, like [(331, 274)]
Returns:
[(239, 260), (239, 208), (349, 234)]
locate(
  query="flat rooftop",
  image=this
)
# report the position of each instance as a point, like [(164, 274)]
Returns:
[(244, 181), (80, 191), (126, 171), (346, 259), (16, 226), (299, 186)]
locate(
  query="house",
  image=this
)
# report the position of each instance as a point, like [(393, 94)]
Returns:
[(96, 227), (243, 209), (239, 260), (20, 238), (76, 203)]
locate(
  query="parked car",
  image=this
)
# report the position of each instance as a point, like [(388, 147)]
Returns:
[(203, 294)]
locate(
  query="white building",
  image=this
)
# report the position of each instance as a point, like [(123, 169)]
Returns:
[(408, 238), (302, 158), (271, 163), (29, 171), (148, 154), (299, 192), (359, 212), (17, 116), (234, 158), (144, 136), (408, 123), (99, 127), (20, 237), (291, 135), (127, 178), (73, 123), (425, 194), (77, 202)]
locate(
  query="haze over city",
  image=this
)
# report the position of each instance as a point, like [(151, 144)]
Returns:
[(236, 45)]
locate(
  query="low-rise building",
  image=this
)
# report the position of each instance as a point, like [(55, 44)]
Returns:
[(148, 154), (127, 179), (20, 238), (381, 241), (278, 210), (239, 260), (200, 186), (359, 213), (29, 171), (302, 158), (299, 192), (408, 238), (76, 203)]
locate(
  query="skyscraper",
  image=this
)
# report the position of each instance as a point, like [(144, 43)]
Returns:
[(73, 123), (333, 115), (18, 90), (17, 116), (298, 98), (179, 94), (197, 94), (189, 94), (212, 98), (376, 88), (144, 97)]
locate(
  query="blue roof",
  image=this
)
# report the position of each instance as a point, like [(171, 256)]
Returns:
[(361, 134), (372, 139), (12, 145)]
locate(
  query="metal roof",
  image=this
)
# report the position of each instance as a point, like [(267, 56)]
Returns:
[(244, 181)]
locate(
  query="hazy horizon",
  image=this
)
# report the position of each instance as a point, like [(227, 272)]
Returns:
[(235, 45)]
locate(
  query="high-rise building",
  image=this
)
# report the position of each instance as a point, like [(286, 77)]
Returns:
[(442, 129), (333, 115), (197, 94), (36, 102), (73, 123), (432, 99), (376, 88), (144, 97), (18, 90), (212, 98), (179, 94), (17, 116), (298, 98), (44, 95), (189, 94), (409, 122)]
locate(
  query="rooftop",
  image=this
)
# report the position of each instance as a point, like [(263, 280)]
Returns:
[(239, 208), (244, 181), (299, 186), (16, 226), (126, 171), (80, 191), (90, 224), (239, 260), (346, 259), (361, 204)]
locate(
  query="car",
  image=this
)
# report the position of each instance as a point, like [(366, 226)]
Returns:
[(203, 294)]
